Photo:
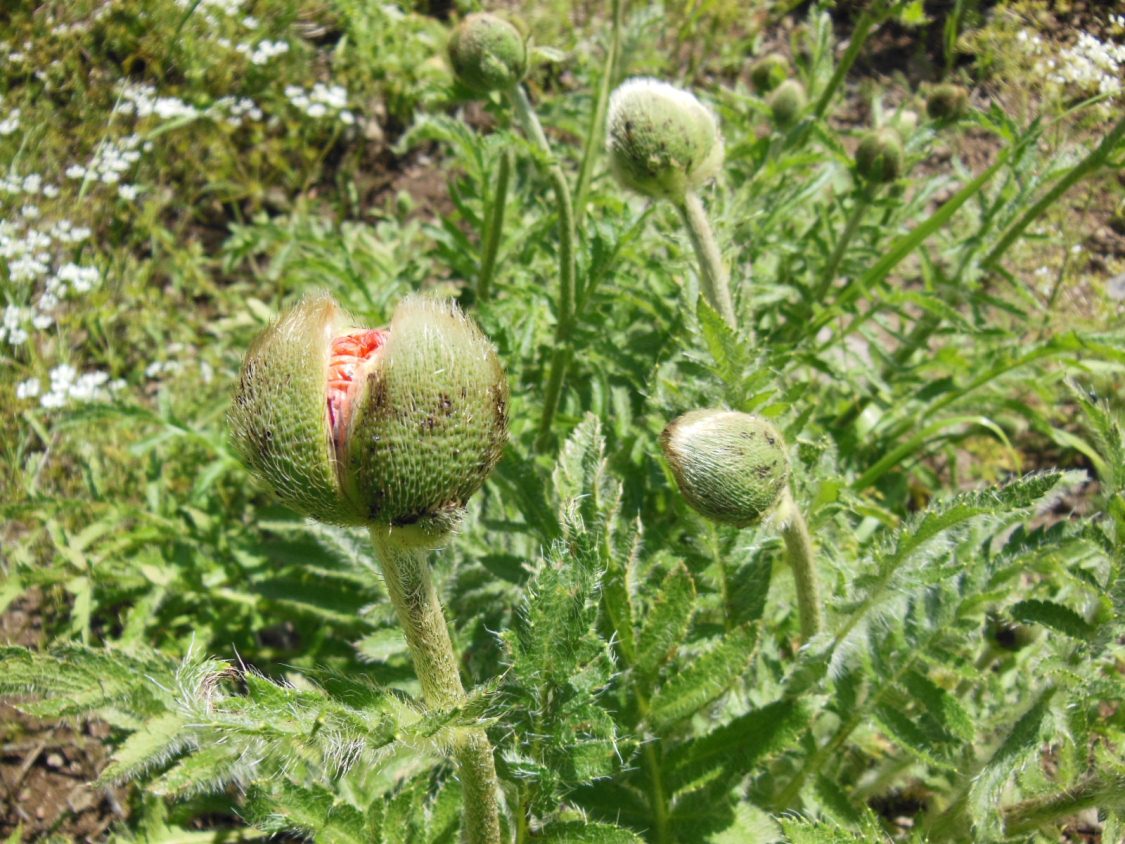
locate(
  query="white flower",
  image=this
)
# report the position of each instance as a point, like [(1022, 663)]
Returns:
[(28, 389)]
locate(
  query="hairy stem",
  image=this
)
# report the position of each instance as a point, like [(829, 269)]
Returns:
[(495, 226), (713, 278), (799, 549), (403, 555), (1098, 790), (568, 271), (595, 135), (862, 202)]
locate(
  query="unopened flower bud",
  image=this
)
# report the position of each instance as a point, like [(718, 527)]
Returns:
[(787, 102), (768, 72), (947, 102), (352, 425), (879, 156), (730, 466), (487, 53), (662, 141)]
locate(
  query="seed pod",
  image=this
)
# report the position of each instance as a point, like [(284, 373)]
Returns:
[(487, 53), (879, 156), (768, 72), (730, 466), (947, 102), (359, 426), (787, 103), (662, 141)]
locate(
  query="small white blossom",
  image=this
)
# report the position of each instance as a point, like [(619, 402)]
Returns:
[(28, 389)]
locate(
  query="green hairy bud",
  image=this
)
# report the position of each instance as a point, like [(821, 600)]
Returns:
[(947, 102), (787, 103), (662, 141), (487, 53), (391, 426), (730, 466), (768, 72), (879, 157)]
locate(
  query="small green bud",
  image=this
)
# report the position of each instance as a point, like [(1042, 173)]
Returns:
[(947, 102), (730, 466), (879, 156), (787, 102), (768, 72), (487, 53), (387, 426), (662, 141)]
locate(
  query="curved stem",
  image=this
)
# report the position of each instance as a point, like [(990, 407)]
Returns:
[(403, 555), (863, 200), (595, 136), (568, 270), (713, 278), (799, 549), (495, 226)]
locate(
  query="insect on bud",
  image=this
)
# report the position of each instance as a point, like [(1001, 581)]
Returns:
[(879, 156), (947, 102), (787, 102), (768, 72), (730, 466), (487, 53), (662, 141), (352, 425)]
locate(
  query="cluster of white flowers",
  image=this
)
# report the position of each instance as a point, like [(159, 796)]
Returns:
[(68, 386), (322, 101), (1089, 66), (111, 159), (238, 110), (143, 101), (32, 185), (10, 123), (263, 51), (29, 252), (15, 56)]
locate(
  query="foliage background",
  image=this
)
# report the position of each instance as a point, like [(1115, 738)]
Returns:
[(175, 176)]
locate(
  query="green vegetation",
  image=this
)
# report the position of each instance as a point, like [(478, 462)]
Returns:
[(901, 262)]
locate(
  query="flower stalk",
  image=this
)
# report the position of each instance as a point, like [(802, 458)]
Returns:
[(714, 282)]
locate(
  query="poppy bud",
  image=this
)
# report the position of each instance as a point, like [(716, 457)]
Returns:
[(662, 141), (487, 53), (787, 102), (353, 425), (879, 156), (947, 102), (730, 466), (768, 72)]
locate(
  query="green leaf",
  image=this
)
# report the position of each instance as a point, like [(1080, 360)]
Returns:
[(1021, 742), (578, 832), (152, 745), (1054, 615), (703, 680), (667, 621), (943, 706)]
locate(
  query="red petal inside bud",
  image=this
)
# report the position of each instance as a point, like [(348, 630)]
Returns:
[(349, 353)]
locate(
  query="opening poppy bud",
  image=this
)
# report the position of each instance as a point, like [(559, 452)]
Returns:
[(353, 425), (768, 72), (662, 141), (487, 53), (947, 102), (879, 156), (787, 102), (730, 466)]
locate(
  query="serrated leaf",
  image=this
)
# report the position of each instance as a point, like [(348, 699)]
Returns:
[(703, 680), (907, 735), (578, 832), (205, 770), (667, 621), (943, 706), (154, 744), (1054, 615)]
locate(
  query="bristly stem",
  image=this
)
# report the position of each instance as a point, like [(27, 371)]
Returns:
[(862, 201), (595, 135), (568, 270), (403, 555), (799, 549), (714, 282), (495, 225)]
